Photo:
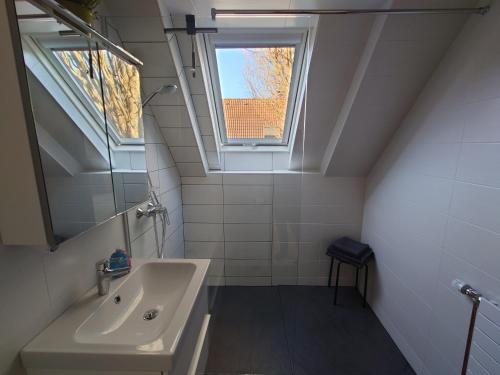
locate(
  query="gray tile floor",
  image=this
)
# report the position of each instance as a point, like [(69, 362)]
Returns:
[(296, 330)]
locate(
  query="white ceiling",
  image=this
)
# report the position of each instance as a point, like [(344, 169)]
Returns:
[(202, 8)]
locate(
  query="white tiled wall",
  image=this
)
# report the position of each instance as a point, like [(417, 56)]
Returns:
[(36, 285), (265, 229), (79, 202), (432, 204), (130, 188), (167, 184), (144, 37)]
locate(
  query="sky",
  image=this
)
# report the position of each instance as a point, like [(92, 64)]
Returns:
[(230, 62)]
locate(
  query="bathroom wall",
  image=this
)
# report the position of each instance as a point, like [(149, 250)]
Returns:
[(140, 26), (269, 229), (432, 204), (167, 185), (36, 285), (79, 202)]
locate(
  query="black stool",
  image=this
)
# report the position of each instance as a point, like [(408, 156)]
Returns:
[(354, 253)]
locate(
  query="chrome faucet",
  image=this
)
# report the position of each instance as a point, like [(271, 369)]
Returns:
[(152, 210), (104, 275)]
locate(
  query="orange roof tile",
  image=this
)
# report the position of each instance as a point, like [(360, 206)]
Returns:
[(254, 118)]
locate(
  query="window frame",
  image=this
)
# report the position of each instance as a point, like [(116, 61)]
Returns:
[(258, 38), (48, 46)]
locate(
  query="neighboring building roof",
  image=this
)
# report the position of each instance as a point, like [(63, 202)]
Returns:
[(254, 118)]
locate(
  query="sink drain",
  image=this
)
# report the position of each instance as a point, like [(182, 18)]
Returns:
[(150, 314)]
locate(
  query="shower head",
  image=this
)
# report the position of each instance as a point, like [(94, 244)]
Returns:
[(167, 89), (164, 89)]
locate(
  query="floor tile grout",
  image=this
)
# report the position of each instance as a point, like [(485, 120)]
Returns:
[(295, 330), (282, 309)]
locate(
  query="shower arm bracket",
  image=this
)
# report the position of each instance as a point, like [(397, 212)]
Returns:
[(192, 30)]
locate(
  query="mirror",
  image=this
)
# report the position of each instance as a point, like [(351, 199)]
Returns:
[(122, 96), (87, 112)]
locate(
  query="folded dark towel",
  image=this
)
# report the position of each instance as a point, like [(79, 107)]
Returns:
[(349, 250), (358, 262)]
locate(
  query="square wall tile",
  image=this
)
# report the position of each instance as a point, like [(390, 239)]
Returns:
[(247, 179), (248, 267), (200, 213), (478, 164), (477, 205), (209, 179), (169, 179), (202, 194), (191, 169), (285, 251), (286, 232), (152, 133), (171, 116), (248, 250), (144, 246), (179, 137), (247, 232), (204, 250), (203, 232), (164, 157), (246, 194), (247, 213), (186, 154)]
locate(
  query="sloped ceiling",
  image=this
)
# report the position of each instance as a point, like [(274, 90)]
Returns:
[(366, 73), (400, 55), (339, 45)]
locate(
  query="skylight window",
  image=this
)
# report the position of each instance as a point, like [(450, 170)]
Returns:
[(255, 85), (121, 84), (255, 81)]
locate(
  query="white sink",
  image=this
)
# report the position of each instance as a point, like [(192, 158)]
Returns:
[(141, 325)]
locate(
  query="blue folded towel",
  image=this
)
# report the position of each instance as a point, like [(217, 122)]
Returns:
[(350, 251)]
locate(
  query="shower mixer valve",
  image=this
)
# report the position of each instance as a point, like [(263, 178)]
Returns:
[(151, 210)]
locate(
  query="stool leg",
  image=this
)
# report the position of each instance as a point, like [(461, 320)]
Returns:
[(330, 274), (366, 284), (357, 275), (337, 283)]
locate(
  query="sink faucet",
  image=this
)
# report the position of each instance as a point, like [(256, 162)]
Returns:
[(104, 275)]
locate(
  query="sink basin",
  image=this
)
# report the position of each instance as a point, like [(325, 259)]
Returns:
[(155, 287), (141, 325)]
